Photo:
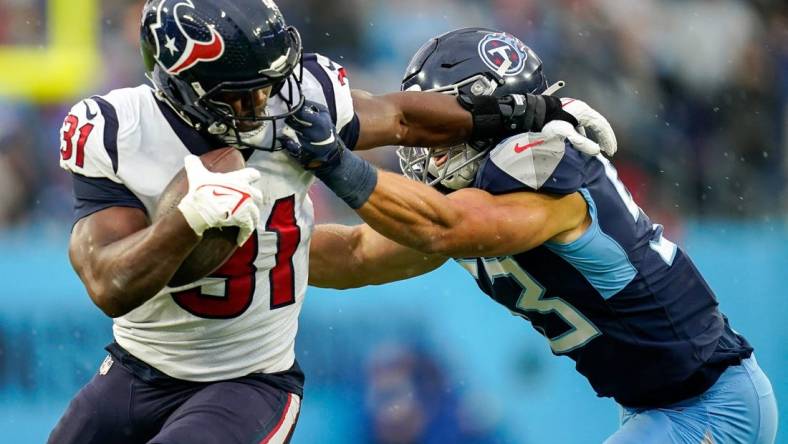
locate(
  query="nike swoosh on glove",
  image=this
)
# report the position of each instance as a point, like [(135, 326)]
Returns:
[(221, 199), (310, 137)]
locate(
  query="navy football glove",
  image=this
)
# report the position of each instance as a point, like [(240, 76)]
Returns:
[(310, 137)]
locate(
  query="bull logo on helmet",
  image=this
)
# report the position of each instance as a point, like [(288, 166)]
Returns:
[(177, 47), (503, 53)]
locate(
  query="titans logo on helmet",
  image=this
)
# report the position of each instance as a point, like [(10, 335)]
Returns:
[(503, 54), (182, 39)]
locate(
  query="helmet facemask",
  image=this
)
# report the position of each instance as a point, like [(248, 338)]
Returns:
[(199, 102), (454, 167), (251, 130)]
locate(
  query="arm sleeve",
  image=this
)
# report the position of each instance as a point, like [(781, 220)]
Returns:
[(92, 194), (530, 162)]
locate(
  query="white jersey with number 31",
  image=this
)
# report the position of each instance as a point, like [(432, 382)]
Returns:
[(123, 149)]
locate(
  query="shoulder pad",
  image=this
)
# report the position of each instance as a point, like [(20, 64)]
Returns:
[(327, 82), (531, 162), (88, 141), (94, 129)]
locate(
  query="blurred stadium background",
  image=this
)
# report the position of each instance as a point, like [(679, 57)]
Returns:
[(696, 90)]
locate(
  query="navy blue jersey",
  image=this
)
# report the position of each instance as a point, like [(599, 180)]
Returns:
[(626, 304)]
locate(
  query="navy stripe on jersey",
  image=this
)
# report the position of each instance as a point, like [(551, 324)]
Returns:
[(567, 177), (311, 65), (92, 194), (192, 139), (349, 133), (110, 130)]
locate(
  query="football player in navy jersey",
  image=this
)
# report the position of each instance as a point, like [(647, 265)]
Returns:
[(554, 236), (213, 361)]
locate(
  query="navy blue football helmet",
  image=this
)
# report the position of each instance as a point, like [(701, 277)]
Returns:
[(471, 61), (198, 51)]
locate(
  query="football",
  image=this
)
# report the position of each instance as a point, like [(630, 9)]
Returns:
[(217, 244)]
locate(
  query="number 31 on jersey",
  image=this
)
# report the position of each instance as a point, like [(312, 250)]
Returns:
[(228, 291)]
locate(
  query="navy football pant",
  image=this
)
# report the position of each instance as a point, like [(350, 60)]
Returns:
[(120, 407)]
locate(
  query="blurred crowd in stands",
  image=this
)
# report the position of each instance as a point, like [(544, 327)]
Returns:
[(697, 91)]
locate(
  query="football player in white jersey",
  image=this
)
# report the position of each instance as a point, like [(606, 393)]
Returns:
[(213, 361)]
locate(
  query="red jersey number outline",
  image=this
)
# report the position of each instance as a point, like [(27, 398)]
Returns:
[(239, 271), (67, 150)]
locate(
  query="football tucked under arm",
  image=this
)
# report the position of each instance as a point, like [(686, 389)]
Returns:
[(217, 243)]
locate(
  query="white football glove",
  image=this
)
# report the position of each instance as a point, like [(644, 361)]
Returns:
[(221, 199), (595, 125), (565, 130)]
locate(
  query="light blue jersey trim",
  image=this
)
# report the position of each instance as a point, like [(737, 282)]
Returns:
[(597, 256)]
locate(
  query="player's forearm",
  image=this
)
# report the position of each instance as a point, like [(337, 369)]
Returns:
[(332, 259), (432, 119), (349, 257), (411, 214), (122, 275), (410, 118)]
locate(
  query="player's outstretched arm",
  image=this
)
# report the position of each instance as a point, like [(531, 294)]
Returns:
[(467, 223), (410, 118), (433, 119), (470, 222), (343, 257)]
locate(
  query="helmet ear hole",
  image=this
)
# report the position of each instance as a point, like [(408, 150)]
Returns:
[(477, 88)]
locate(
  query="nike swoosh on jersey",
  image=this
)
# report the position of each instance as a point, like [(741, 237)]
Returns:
[(519, 149), (90, 115)]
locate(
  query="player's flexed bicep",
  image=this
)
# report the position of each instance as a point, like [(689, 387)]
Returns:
[(123, 261), (121, 258)]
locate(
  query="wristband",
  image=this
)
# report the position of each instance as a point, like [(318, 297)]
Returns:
[(496, 117), (352, 178)]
